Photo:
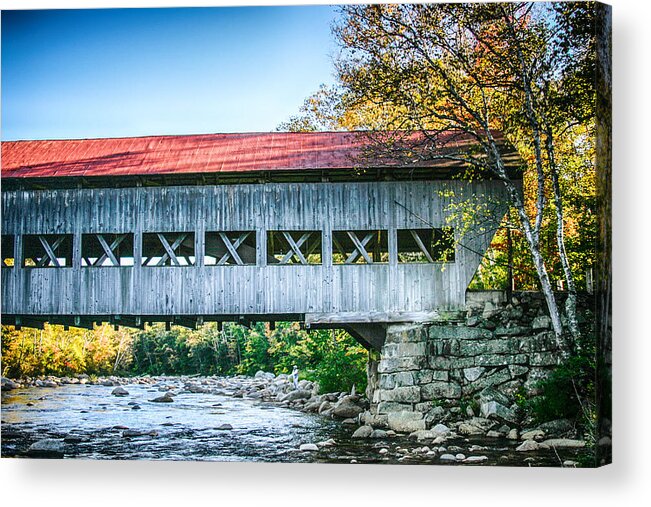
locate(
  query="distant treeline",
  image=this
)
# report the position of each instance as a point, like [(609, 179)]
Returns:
[(333, 358)]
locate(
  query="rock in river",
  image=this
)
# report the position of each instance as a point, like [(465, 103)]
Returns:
[(530, 445), (8, 384), (363, 432), (120, 391), (166, 398), (308, 447), (347, 407), (47, 448), (564, 443)]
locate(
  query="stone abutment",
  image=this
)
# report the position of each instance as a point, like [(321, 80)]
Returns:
[(476, 366)]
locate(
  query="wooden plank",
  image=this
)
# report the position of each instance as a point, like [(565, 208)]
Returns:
[(380, 317)]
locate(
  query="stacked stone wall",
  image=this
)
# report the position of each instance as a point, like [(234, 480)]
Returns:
[(474, 366)]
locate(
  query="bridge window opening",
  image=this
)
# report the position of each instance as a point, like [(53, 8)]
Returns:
[(47, 250), (426, 245), (106, 250), (295, 247), (168, 249), (7, 250), (230, 248), (360, 247)]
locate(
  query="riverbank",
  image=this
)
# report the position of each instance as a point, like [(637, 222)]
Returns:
[(260, 418)]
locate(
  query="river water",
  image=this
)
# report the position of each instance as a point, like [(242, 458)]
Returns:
[(96, 425)]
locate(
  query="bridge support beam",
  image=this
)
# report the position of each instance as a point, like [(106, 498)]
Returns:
[(371, 336)]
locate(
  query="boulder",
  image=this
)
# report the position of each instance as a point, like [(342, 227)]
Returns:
[(346, 408), (435, 415), (47, 448), (166, 398), (492, 394), (441, 430), (374, 419), (564, 443), (263, 375), (313, 405), (308, 447), (557, 427), (325, 405), (363, 432), (120, 391), (8, 384), (533, 435), (475, 459), (470, 429), (495, 410), (424, 434), (406, 422), (296, 395), (530, 445), (196, 389)]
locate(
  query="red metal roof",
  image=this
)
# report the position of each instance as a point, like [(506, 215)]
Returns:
[(212, 153)]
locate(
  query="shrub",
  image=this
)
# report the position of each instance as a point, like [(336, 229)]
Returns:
[(342, 367), (569, 391)]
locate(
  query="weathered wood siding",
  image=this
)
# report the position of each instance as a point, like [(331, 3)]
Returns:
[(260, 289)]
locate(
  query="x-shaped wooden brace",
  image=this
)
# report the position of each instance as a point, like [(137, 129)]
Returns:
[(295, 247), (50, 256), (359, 247), (109, 250), (170, 249), (232, 248), (421, 245)]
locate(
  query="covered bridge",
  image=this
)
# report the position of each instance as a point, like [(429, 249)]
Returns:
[(232, 227)]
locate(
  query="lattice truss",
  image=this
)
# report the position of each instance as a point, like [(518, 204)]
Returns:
[(47, 250), (294, 247), (168, 249), (425, 245), (106, 250), (230, 248), (360, 247)]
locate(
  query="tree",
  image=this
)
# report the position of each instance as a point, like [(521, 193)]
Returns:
[(475, 69)]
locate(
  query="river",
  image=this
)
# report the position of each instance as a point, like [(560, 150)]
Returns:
[(93, 424)]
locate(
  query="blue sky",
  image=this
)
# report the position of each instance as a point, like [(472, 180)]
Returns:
[(129, 72)]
